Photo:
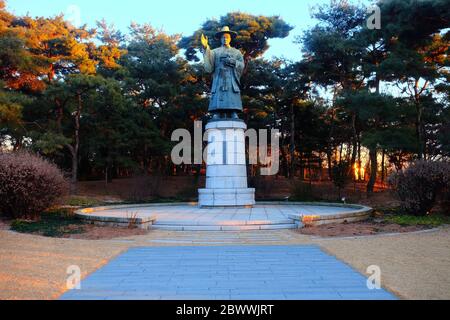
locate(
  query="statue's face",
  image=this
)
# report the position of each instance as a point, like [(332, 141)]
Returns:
[(226, 39)]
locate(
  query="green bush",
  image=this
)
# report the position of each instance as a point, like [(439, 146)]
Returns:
[(427, 221), (82, 202), (52, 224), (420, 185), (29, 185)]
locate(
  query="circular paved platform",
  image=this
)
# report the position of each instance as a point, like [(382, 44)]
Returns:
[(189, 217)]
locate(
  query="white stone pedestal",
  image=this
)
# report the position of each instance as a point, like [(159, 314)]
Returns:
[(226, 173)]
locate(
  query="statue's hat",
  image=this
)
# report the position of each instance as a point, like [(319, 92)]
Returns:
[(226, 29)]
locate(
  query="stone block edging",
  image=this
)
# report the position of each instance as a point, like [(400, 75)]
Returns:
[(360, 213)]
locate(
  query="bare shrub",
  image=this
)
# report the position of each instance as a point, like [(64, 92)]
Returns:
[(132, 220), (29, 185), (420, 185)]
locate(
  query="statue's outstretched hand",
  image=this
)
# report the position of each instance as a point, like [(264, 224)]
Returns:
[(205, 43)]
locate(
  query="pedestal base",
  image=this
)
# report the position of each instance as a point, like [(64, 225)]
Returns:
[(226, 172), (226, 197)]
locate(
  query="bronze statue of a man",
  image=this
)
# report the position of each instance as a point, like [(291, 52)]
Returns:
[(226, 64)]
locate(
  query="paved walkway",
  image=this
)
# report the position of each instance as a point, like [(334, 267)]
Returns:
[(226, 272)]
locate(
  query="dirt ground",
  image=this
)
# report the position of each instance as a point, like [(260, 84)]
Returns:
[(92, 232), (35, 267), (413, 265), (357, 229)]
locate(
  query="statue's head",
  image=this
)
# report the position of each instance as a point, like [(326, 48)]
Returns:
[(226, 39), (226, 35)]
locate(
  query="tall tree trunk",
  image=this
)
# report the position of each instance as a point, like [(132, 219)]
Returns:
[(284, 162), (74, 149), (373, 170), (330, 169), (355, 145), (74, 173), (420, 132), (284, 154), (59, 114), (302, 167), (106, 176), (359, 160), (383, 166), (51, 73), (18, 144), (330, 146), (292, 146), (420, 126)]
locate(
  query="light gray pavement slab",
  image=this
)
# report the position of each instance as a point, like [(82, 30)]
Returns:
[(293, 272)]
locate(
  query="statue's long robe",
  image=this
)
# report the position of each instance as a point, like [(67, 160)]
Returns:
[(225, 91)]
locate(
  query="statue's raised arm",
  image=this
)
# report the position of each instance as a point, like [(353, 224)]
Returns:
[(208, 55), (204, 41)]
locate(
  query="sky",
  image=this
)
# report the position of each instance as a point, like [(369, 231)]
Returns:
[(176, 16)]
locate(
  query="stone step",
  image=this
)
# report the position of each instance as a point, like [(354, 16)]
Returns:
[(222, 222), (224, 227)]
